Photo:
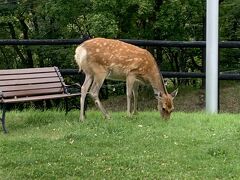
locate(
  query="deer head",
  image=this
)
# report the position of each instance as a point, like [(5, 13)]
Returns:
[(165, 104), (102, 59)]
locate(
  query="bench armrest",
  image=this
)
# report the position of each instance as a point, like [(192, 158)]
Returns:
[(75, 84), (72, 88)]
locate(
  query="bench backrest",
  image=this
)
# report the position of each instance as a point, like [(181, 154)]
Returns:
[(30, 82)]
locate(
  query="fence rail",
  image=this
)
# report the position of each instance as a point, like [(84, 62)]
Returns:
[(187, 44), (222, 76)]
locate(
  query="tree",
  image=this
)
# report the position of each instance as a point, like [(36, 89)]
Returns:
[(133, 19)]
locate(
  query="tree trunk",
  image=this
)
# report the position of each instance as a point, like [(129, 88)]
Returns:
[(16, 48), (29, 60)]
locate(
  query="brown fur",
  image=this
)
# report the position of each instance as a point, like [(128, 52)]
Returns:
[(101, 58)]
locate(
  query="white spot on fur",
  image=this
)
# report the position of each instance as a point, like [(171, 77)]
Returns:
[(97, 50), (111, 56)]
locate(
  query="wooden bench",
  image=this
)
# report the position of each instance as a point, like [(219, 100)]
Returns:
[(32, 84)]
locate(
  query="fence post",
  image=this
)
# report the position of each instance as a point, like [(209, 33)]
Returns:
[(212, 56)]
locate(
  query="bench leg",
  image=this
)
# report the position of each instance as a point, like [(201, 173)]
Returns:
[(3, 118), (66, 106)]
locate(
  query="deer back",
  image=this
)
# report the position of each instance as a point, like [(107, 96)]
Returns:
[(116, 57)]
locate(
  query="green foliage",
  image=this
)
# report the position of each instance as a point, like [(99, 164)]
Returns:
[(50, 145), (133, 19), (102, 25), (230, 31), (229, 20)]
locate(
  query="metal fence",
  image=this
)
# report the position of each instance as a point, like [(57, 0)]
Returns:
[(187, 44), (155, 43)]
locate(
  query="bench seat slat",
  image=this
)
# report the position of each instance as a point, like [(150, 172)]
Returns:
[(37, 98), (27, 76), (26, 71), (30, 87), (33, 92), (29, 81)]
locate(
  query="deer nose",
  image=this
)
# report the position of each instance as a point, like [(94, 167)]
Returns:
[(165, 115)]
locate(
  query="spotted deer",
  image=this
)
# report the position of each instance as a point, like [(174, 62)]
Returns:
[(101, 59)]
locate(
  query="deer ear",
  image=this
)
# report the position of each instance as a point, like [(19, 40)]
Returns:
[(174, 93), (165, 82)]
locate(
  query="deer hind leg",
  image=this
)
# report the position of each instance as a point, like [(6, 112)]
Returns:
[(135, 97), (87, 83), (130, 84), (94, 92)]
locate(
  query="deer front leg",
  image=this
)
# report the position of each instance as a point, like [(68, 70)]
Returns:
[(87, 82), (94, 91), (130, 82), (135, 97)]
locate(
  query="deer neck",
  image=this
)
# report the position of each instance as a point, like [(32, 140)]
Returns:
[(158, 84)]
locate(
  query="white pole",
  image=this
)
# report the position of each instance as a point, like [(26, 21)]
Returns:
[(212, 56)]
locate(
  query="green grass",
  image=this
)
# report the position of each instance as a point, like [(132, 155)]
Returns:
[(50, 145)]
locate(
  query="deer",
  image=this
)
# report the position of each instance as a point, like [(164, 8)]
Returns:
[(101, 58)]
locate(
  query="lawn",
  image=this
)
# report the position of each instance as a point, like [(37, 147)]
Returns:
[(50, 145)]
